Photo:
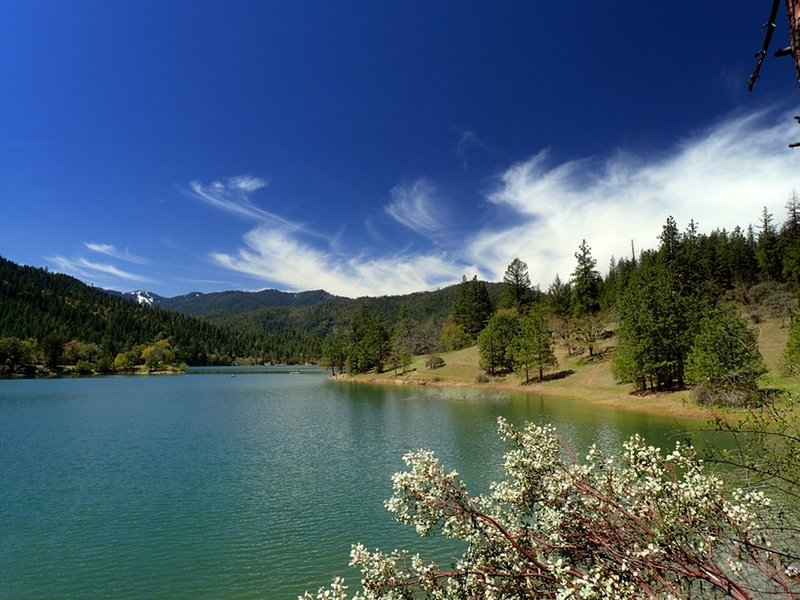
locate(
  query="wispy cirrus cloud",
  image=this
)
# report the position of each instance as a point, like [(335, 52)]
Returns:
[(720, 178), (467, 141), (101, 274), (277, 256), (415, 206), (234, 196), (113, 252)]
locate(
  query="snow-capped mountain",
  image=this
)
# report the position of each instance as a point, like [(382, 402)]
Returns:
[(145, 298)]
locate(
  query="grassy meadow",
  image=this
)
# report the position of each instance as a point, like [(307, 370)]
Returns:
[(590, 379)]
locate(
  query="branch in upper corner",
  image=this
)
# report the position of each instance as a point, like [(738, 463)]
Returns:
[(769, 26)]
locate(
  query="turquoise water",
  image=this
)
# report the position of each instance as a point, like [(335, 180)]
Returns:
[(248, 483)]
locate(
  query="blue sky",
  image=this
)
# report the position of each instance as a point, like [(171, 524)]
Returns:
[(374, 148)]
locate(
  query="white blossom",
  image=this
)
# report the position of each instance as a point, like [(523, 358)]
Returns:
[(645, 524)]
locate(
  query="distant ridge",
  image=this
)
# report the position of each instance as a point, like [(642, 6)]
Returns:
[(196, 303), (314, 312)]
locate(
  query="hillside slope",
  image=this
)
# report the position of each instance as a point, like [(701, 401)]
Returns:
[(588, 379)]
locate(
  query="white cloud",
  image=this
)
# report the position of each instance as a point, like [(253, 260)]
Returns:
[(113, 252), (277, 256), (101, 274), (233, 196), (721, 177), (247, 183), (415, 206)]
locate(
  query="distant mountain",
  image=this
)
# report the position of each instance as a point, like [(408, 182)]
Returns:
[(197, 304), (40, 305), (145, 298), (313, 312)]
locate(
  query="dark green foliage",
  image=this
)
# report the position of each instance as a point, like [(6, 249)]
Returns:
[(200, 305), (16, 356), (334, 351), (559, 298), (473, 307), (495, 342), (532, 348), (518, 293), (586, 283), (768, 251), (367, 342), (725, 361), (56, 309), (660, 299), (790, 359), (790, 241), (656, 326), (434, 361)]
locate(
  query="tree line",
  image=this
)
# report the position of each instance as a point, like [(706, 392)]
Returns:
[(679, 313), (49, 320)]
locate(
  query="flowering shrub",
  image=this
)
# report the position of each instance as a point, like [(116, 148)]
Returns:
[(644, 525)]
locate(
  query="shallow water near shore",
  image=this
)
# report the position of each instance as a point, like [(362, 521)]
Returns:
[(237, 483)]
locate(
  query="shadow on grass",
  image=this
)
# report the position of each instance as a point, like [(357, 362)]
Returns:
[(551, 377)]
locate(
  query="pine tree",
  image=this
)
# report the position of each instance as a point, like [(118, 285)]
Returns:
[(768, 249), (656, 328), (586, 283), (518, 285), (533, 345), (725, 361), (559, 298), (473, 306), (495, 342)]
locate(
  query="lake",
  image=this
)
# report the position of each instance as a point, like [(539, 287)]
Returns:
[(236, 483)]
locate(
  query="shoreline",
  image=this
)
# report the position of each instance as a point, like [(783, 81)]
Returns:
[(677, 404)]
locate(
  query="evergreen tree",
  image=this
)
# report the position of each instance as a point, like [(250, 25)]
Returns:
[(533, 345), (768, 249), (656, 328), (518, 285), (404, 340), (495, 342), (334, 351), (725, 361), (670, 241), (559, 298), (739, 257), (586, 283), (368, 341), (790, 241), (473, 306)]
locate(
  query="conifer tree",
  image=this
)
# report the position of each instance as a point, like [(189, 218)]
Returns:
[(473, 306), (768, 249), (495, 342), (586, 283), (725, 361), (533, 345), (518, 285), (559, 298)]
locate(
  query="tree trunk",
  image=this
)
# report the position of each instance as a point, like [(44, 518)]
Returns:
[(793, 8)]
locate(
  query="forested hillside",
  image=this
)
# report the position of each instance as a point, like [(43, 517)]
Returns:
[(48, 319), (656, 306), (197, 305), (677, 315), (315, 312)]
